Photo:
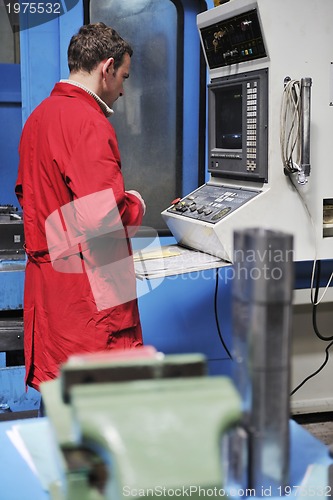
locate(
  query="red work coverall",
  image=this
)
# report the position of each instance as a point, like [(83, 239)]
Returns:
[(68, 151)]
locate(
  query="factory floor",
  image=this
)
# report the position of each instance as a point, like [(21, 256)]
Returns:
[(320, 425)]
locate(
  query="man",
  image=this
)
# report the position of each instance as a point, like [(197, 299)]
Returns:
[(71, 190)]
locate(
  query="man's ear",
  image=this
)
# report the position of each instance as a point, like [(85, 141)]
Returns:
[(107, 66)]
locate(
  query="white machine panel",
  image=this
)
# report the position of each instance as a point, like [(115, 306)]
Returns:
[(285, 40)]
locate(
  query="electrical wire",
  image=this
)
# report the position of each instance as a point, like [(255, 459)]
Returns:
[(290, 138), (314, 291), (290, 112), (216, 314), (290, 142), (290, 126), (315, 305), (316, 330), (315, 277), (314, 299), (316, 372)]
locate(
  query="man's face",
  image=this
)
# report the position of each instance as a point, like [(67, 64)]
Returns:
[(114, 84)]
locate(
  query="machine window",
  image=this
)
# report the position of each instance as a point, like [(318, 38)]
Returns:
[(9, 36), (148, 117)]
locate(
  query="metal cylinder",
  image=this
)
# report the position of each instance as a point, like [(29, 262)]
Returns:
[(262, 299), (305, 124)]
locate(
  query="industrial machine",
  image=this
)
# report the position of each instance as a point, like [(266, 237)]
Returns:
[(12, 267), (269, 125), (12, 258)]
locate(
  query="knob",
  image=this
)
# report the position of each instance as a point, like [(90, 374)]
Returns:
[(245, 25), (230, 53)]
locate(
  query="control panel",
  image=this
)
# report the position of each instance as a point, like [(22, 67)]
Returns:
[(234, 40), (211, 203)]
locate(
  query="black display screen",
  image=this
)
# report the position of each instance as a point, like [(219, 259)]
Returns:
[(229, 122)]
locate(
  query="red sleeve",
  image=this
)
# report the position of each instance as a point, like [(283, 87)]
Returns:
[(95, 169)]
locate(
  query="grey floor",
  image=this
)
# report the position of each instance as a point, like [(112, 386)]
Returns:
[(320, 425)]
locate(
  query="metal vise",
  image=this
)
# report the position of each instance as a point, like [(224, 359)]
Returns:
[(156, 434)]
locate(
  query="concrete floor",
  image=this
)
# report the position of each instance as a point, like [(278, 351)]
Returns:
[(320, 425)]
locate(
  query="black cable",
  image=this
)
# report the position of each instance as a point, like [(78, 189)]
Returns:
[(315, 305), (216, 313), (317, 272), (316, 372)]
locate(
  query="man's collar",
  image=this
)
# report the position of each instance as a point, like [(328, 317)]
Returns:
[(105, 108)]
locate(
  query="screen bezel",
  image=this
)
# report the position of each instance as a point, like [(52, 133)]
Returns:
[(232, 163)]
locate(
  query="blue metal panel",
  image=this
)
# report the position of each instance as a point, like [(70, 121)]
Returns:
[(13, 392), (39, 64), (10, 83), (178, 316), (43, 55), (11, 290), (10, 118), (2, 359), (68, 25), (191, 98), (11, 285)]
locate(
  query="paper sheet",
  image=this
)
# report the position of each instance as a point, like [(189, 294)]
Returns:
[(172, 260)]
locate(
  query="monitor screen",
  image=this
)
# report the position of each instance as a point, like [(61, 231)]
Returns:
[(238, 126), (229, 123)]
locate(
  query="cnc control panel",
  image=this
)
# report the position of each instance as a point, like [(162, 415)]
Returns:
[(211, 203)]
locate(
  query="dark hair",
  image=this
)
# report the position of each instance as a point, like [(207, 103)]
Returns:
[(92, 44)]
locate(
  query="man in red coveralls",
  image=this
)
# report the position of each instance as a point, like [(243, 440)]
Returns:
[(69, 157)]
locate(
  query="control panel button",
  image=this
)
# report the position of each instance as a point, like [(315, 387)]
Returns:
[(221, 213)]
